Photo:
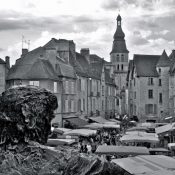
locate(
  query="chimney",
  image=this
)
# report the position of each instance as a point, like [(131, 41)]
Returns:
[(24, 52), (86, 53), (7, 60)]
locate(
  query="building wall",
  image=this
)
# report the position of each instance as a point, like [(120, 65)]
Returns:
[(2, 77), (120, 62), (164, 90)]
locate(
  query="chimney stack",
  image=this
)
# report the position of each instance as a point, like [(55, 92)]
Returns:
[(24, 52), (86, 53), (7, 60)]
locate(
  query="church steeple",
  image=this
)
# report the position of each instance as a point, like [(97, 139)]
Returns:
[(119, 45), (119, 19)]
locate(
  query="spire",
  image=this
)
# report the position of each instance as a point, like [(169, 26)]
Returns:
[(163, 60), (119, 45)]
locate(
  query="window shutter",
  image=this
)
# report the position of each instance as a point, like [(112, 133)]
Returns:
[(72, 105), (146, 109), (155, 109), (66, 105)]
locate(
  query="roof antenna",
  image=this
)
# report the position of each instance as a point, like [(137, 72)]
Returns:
[(25, 42)]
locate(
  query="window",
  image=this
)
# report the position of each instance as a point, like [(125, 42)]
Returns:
[(122, 66), (72, 105), (66, 106), (134, 81), (150, 81), (150, 93), (55, 87), (118, 58), (103, 90), (79, 84), (66, 87), (82, 85), (102, 105), (134, 95), (160, 82), (83, 104), (34, 83), (151, 109), (94, 106), (72, 89), (159, 70), (118, 67), (122, 58), (117, 102), (160, 97), (79, 105), (119, 23)]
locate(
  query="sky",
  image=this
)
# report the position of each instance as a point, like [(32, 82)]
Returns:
[(149, 25)]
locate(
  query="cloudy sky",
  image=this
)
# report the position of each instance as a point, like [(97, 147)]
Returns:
[(149, 25)]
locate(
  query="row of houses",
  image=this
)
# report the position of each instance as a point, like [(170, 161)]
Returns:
[(81, 81)]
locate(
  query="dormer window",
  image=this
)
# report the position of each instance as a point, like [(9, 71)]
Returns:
[(159, 70)]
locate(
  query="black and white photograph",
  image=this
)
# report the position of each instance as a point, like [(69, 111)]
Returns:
[(87, 87)]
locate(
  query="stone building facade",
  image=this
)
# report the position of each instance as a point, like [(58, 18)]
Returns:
[(79, 80), (148, 86)]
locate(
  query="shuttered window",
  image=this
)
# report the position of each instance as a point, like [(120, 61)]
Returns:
[(66, 104)]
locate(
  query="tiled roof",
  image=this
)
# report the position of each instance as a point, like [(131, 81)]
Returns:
[(95, 70), (164, 61), (108, 79), (145, 65), (80, 65), (66, 70), (172, 59), (119, 46), (41, 69), (96, 58), (36, 64), (2, 61)]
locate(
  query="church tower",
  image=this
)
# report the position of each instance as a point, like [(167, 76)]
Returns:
[(119, 60)]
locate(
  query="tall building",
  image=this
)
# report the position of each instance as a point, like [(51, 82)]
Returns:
[(119, 60), (148, 85)]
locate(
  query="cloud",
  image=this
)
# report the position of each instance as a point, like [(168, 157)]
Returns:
[(1, 49), (67, 24), (115, 4)]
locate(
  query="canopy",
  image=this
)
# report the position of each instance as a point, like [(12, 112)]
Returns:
[(98, 119), (100, 126), (56, 142), (165, 128), (140, 137), (137, 128), (171, 146), (158, 150), (81, 132), (60, 130), (122, 150), (147, 164), (78, 122)]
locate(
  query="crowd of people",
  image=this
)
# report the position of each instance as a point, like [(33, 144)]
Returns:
[(103, 137)]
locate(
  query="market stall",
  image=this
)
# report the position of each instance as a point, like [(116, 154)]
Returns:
[(147, 164), (81, 132), (121, 150)]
